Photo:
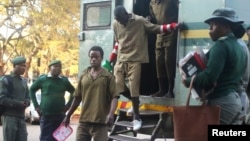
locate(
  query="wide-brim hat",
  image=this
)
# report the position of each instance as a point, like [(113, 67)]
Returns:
[(227, 14)]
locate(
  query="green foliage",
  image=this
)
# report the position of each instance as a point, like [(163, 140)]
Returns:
[(49, 31)]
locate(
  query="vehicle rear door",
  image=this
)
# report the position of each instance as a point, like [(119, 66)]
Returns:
[(96, 29)]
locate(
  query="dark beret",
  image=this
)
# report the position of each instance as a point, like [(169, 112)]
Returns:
[(54, 62), (18, 60)]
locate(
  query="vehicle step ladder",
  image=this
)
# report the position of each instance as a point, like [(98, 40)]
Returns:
[(152, 124)]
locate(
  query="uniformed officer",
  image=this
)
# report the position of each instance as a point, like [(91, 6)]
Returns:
[(53, 105), (14, 95), (225, 66)]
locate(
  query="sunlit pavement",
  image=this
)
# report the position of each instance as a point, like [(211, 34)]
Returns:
[(74, 122), (34, 131)]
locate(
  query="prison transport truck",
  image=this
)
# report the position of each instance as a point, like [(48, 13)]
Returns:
[(96, 29)]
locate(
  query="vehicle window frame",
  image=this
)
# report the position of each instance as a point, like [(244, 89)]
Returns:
[(87, 6)]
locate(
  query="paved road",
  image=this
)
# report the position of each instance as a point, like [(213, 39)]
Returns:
[(34, 132)]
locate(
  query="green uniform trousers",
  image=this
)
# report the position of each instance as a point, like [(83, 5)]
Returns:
[(14, 128)]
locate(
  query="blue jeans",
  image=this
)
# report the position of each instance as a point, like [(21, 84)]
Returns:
[(48, 124)]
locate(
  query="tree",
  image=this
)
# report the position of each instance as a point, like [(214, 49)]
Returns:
[(12, 25), (44, 30), (56, 24)]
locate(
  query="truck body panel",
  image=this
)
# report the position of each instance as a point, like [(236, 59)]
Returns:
[(96, 29)]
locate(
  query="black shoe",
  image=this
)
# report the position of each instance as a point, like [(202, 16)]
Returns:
[(168, 95), (157, 94)]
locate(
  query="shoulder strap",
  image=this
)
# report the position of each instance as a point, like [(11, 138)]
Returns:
[(10, 83)]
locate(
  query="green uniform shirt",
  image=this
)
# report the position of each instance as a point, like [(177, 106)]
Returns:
[(132, 39), (96, 95), (18, 95), (52, 94), (225, 66)]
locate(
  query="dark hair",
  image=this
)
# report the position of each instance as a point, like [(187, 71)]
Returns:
[(238, 31), (97, 48), (119, 10)]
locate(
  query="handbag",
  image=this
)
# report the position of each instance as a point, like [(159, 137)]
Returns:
[(191, 122)]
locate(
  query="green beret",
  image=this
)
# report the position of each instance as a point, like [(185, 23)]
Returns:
[(54, 62), (18, 60)]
